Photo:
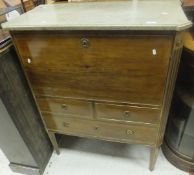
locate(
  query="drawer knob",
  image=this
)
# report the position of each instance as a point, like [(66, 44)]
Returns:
[(65, 124), (64, 106), (126, 114), (96, 128), (85, 42), (130, 132)]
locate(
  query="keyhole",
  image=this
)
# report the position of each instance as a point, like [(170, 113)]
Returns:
[(85, 42)]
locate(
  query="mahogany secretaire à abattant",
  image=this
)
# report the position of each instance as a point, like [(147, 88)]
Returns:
[(103, 70)]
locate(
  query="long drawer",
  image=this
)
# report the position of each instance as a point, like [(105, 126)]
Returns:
[(63, 106), (128, 133), (127, 113), (119, 67)]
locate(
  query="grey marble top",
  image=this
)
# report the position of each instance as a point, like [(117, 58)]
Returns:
[(123, 15)]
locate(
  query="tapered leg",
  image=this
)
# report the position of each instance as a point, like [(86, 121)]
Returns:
[(153, 157), (54, 141)]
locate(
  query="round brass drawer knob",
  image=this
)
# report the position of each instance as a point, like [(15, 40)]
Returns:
[(85, 42), (66, 124), (96, 128), (126, 114), (130, 132), (64, 106)]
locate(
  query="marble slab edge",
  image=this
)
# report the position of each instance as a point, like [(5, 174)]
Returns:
[(74, 28)]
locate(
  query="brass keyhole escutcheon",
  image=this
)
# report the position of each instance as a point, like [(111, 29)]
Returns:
[(130, 132), (85, 42)]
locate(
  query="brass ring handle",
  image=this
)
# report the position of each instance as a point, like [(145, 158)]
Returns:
[(130, 132), (85, 42), (64, 106)]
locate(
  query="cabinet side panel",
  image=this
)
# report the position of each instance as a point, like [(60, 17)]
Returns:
[(20, 105), (170, 83), (11, 142)]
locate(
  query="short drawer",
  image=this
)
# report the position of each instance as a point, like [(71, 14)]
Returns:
[(129, 133), (127, 113), (70, 107)]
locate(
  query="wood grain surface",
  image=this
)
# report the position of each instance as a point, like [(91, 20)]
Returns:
[(127, 113), (127, 133), (113, 85), (74, 108), (113, 68)]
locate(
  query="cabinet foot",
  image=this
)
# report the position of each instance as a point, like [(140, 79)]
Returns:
[(54, 141), (153, 157)]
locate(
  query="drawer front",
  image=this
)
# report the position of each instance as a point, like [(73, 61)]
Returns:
[(119, 68), (109, 131), (127, 113), (74, 108)]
